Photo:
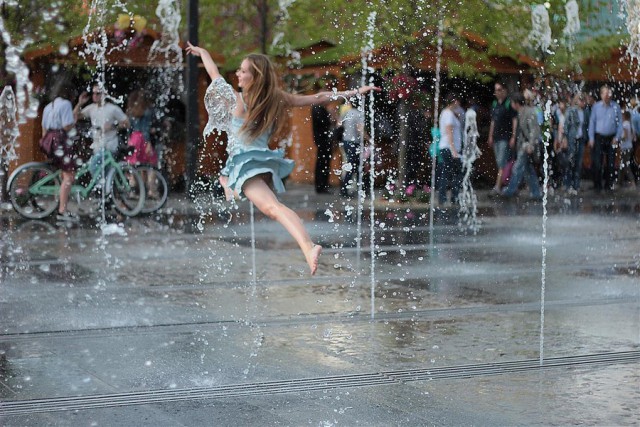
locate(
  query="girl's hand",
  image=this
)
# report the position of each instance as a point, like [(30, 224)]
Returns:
[(194, 50), (209, 65), (84, 97), (364, 89)]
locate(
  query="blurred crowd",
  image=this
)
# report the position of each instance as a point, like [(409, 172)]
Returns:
[(589, 141), (573, 124)]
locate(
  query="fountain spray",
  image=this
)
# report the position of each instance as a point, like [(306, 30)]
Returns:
[(468, 199), (435, 132), (540, 39), (8, 135), (367, 54)]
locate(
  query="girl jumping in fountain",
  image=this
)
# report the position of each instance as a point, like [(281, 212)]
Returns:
[(252, 118)]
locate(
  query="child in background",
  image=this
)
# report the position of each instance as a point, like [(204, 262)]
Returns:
[(140, 115)]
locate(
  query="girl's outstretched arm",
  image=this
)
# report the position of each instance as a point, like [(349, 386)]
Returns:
[(207, 61), (326, 97)]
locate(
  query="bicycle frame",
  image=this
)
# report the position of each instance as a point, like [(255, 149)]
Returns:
[(47, 186)]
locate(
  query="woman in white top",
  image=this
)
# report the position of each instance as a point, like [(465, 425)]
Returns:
[(59, 115), (450, 148)]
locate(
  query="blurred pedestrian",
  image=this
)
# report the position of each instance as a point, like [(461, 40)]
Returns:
[(502, 131), (352, 121), (106, 119), (140, 117), (528, 138), (322, 136), (576, 127), (626, 150), (417, 147), (58, 120), (635, 118), (605, 130), (560, 164), (450, 149)]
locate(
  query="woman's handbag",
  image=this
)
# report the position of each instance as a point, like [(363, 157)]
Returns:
[(51, 140)]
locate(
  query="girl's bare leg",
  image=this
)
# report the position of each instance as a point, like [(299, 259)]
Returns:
[(259, 192), (65, 189), (150, 179), (228, 194)]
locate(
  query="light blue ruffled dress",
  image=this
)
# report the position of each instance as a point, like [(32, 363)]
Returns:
[(247, 157)]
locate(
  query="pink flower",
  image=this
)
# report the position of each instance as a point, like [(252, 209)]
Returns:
[(410, 189)]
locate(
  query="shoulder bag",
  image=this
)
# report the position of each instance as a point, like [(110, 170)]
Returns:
[(53, 138)]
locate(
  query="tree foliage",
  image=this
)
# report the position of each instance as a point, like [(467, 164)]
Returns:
[(409, 27), (236, 27)]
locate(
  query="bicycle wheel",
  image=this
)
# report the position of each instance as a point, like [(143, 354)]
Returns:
[(126, 189), (156, 188), (34, 190)]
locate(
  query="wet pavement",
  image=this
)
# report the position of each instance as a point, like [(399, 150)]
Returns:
[(162, 322)]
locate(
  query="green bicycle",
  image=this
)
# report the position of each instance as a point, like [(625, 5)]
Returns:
[(34, 187)]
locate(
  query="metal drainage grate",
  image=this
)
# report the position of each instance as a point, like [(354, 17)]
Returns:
[(23, 407)]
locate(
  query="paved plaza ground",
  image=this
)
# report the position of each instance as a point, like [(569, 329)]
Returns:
[(181, 318)]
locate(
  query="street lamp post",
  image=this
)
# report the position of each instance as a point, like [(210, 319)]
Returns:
[(193, 118)]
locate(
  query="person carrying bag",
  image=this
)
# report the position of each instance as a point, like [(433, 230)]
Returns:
[(53, 139), (59, 119)]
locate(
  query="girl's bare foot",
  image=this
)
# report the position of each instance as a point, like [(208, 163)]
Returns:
[(312, 258)]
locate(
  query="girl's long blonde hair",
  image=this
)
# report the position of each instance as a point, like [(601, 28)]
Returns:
[(267, 104)]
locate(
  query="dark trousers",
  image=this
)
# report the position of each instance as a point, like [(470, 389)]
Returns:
[(576, 153), (524, 169), (414, 164), (352, 151), (451, 176), (323, 165), (603, 152)]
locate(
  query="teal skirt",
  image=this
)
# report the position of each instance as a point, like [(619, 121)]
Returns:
[(254, 161)]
